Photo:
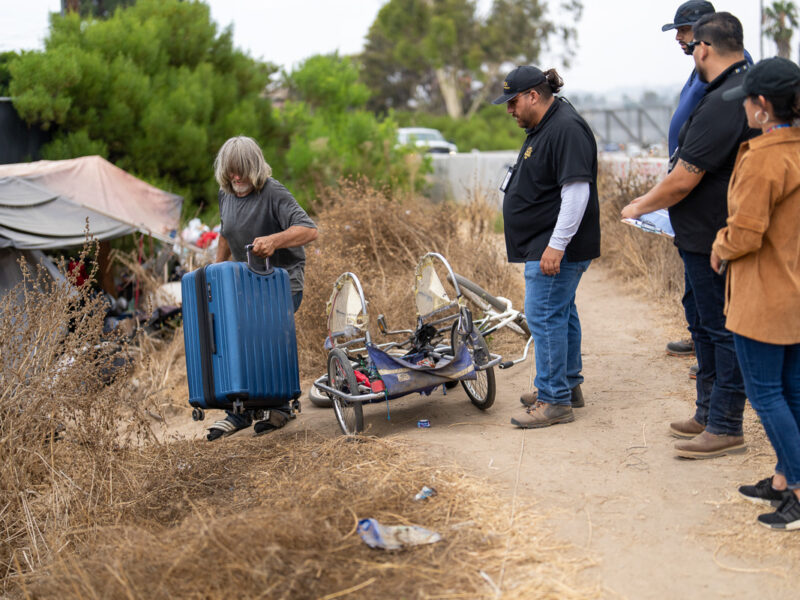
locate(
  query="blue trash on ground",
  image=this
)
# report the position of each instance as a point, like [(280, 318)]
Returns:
[(394, 537)]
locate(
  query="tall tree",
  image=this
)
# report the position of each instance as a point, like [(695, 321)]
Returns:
[(395, 66), (155, 88), (330, 132), (440, 54), (779, 21), (94, 8)]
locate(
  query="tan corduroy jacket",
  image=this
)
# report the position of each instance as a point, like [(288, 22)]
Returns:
[(762, 239)]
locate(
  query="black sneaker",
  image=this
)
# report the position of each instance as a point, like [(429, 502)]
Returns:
[(786, 518), (763, 493)]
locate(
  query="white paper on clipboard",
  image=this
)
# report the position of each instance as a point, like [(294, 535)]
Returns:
[(654, 222)]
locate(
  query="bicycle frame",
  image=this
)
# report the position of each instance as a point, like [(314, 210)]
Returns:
[(494, 320)]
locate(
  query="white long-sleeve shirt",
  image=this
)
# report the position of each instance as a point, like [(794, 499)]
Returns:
[(574, 198)]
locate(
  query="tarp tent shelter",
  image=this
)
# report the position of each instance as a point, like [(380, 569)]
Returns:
[(44, 204), (33, 217), (11, 270)]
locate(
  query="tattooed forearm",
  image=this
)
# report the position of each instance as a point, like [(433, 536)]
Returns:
[(691, 168)]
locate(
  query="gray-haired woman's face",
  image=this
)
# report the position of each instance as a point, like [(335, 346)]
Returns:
[(241, 187)]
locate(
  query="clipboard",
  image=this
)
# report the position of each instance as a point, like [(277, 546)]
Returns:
[(655, 222)]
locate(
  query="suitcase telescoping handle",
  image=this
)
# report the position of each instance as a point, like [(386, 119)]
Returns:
[(257, 264)]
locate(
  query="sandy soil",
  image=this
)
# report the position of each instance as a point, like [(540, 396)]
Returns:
[(647, 524)]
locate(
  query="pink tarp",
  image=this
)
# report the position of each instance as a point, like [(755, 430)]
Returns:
[(95, 183)]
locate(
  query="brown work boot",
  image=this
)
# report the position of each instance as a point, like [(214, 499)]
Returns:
[(708, 445), (542, 414), (686, 430), (530, 398)]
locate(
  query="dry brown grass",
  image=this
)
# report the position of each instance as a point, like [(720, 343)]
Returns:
[(380, 240), (276, 517), (649, 263), (105, 510), (56, 373)]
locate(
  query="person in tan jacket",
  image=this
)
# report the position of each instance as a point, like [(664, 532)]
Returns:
[(761, 247)]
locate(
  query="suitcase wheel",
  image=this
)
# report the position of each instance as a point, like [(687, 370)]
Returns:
[(198, 414)]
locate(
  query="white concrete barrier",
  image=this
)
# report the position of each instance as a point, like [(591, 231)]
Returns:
[(463, 177), (468, 175)]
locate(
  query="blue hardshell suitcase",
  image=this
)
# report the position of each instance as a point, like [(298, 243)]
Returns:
[(238, 328)]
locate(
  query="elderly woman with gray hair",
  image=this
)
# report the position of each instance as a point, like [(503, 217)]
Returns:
[(255, 208)]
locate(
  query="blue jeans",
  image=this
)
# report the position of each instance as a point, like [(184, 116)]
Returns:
[(720, 389), (553, 321), (772, 380), (246, 418)]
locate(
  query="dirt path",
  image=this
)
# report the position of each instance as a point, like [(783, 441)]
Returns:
[(608, 483)]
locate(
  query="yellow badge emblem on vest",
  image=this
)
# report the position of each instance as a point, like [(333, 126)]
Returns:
[(528, 152), (506, 86)]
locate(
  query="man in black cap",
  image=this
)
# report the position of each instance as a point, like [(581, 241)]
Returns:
[(551, 221), (687, 14), (695, 191)]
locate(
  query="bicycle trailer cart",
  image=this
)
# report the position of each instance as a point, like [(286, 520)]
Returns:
[(443, 349)]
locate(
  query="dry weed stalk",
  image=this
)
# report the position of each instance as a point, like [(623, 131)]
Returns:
[(60, 416), (381, 239), (649, 262), (96, 515), (276, 518)]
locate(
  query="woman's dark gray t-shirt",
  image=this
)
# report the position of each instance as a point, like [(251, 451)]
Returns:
[(271, 210)]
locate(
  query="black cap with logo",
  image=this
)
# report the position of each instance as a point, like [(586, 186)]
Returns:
[(771, 77), (520, 79), (689, 13)]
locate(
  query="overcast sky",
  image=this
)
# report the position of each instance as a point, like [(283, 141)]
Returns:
[(620, 42)]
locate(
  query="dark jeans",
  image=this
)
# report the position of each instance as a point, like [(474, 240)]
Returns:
[(689, 306), (246, 418), (720, 389), (772, 379)]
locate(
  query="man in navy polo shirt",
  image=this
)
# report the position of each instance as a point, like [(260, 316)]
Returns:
[(695, 191), (693, 91), (551, 221)]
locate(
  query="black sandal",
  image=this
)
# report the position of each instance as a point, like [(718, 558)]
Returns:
[(222, 428), (275, 420)]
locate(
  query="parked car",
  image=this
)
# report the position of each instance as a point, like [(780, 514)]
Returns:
[(431, 140)]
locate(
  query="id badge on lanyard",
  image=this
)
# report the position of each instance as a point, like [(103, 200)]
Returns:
[(507, 178)]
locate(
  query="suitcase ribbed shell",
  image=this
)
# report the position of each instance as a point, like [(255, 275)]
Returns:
[(250, 342)]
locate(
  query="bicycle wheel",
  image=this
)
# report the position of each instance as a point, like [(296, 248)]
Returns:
[(341, 377), (483, 299), (318, 398), (481, 391)]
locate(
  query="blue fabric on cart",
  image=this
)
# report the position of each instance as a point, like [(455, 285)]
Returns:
[(402, 376)]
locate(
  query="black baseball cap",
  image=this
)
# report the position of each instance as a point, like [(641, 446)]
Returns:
[(689, 13), (770, 77), (520, 79)]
